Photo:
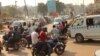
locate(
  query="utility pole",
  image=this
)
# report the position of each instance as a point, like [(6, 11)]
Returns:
[(83, 8), (35, 9), (26, 9), (15, 3)]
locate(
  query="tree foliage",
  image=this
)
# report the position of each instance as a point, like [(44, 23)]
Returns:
[(60, 6), (42, 8), (93, 9), (10, 11)]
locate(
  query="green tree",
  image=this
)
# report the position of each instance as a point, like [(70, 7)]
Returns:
[(42, 8), (93, 9), (12, 11), (60, 6)]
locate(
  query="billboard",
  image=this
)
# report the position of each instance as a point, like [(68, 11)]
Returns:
[(51, 4)]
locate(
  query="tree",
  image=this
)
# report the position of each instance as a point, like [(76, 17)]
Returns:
[(42, 8), (60, 6), (12, 11), (92, 9)]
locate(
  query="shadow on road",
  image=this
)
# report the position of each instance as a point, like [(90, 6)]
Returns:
[(68, 53), (18, 53), (90, 42)]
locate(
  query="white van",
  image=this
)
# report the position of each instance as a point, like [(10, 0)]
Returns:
[(87, 27)]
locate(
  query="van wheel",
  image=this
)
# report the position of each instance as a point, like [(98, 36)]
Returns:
[(79, 38)]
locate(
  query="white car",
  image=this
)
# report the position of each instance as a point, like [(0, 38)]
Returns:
[(86, 27), (57, 20), (17, 23)]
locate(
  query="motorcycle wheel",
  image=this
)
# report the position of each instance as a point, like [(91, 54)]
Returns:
[(59, 49), (23, 42)]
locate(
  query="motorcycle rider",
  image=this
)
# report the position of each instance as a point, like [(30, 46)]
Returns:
[(25, 26), (13, 36), (34, 37), (42, 35), (21, 29), (55, 32), (38, 41)]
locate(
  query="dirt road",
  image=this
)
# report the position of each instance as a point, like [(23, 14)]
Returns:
[(72, 49)]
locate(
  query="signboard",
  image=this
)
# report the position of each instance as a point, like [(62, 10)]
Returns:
[(51, 4)]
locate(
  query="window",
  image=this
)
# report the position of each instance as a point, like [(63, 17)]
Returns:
[(97, 21), (90, 21), (79, 22)]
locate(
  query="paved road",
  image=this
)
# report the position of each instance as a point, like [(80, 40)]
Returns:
[(72, 49)]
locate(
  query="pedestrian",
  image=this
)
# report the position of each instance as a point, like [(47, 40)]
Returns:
[(33, 27), (28, 37), (66, 26)]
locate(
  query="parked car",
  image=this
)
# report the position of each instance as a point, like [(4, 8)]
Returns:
[(86, 27), (65, 17), (17, 23)]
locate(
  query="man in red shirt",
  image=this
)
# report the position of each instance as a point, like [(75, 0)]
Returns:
[(42, 35)]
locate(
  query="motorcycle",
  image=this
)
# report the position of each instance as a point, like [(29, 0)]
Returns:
[(46, 48), (41, 49), (24, 39), (15, 46), (10, 42), (58, 46)]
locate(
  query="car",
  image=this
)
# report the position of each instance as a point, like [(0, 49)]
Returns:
[(65, 17), (57, 20), (17, 23), (86, 28)]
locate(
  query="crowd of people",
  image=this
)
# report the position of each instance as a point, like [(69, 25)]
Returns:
[(35, 34)]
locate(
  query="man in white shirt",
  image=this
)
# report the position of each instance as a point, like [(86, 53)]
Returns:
[(34, 37)]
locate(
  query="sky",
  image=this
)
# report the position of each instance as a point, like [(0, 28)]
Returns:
[(35, 2)]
